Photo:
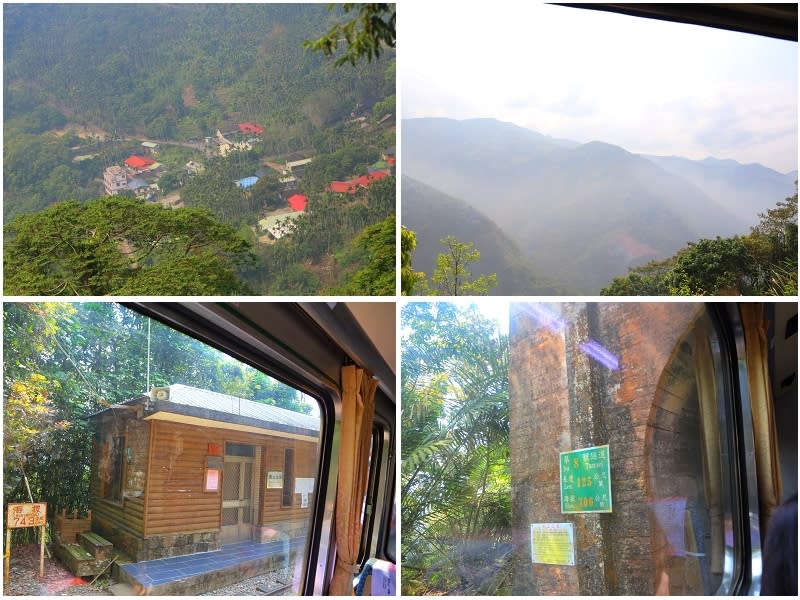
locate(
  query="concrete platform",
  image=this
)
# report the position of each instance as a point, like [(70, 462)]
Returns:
[(194, 574)]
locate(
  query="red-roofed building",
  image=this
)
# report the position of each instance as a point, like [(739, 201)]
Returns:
[(298, 202), (350, 187), (138, 162), (342, 187), (250, 128), (377, 176)]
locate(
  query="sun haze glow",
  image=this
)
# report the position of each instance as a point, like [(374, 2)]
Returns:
[(649, 86)]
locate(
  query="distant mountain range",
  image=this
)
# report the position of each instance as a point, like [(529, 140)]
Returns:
[(432, 216), (581, 213)]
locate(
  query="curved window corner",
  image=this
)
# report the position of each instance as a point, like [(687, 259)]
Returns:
[(703, 495)]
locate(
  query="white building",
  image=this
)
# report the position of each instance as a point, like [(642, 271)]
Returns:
[(279, 226), (114, 180)]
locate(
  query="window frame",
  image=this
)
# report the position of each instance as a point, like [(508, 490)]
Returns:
[(115, 451), (379, 494), (371, 494), (287, 492), (303, 345), (742, 573), (310, 371)]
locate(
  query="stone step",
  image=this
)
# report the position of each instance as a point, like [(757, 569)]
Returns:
[(273, 588), (99, 547), (79, 561), (122, 589)]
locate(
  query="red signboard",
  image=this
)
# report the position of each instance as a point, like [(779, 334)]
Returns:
[(214, 449)]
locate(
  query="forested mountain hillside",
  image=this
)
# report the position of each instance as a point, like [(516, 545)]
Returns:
[(433, 215), (583, 213), (742, 188), (181, 69), (211, 106)]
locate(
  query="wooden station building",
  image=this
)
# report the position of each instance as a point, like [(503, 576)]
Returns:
[(184, 470)]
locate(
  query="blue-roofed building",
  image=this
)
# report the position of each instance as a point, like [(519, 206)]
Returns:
[(247, 182), (136, 183)]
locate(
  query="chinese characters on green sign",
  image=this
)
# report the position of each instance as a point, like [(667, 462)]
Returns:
[(585, 480)]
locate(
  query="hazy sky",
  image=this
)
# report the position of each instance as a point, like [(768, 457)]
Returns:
[(649, 86)]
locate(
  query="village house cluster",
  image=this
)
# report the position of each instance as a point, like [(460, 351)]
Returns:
[(277, 226), (375, 172), (138, 173)]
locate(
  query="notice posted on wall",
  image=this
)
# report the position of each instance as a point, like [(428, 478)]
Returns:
[(274, 480), (553, 543), (304, 485)]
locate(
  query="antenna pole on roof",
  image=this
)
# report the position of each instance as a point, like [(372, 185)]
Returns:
[(148, 355)]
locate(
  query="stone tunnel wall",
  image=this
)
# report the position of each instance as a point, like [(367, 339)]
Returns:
[(561, 399)]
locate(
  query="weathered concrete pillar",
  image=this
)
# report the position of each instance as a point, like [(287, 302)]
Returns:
[(586, 375), (539, 419)]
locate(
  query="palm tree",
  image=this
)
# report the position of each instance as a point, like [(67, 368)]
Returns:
[(455, 479)]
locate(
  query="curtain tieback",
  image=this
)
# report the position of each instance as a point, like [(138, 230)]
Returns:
[(349, 567)]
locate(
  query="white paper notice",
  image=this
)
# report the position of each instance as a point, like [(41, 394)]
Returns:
[(553, 543), (304, 485), (274, 480)]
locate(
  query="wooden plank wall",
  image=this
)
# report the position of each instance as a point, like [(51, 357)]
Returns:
[(305, 465), (129, 512), (176, 502)]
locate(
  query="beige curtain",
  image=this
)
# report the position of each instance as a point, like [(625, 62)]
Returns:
[(770, 489), (709, 421), (358, 408)]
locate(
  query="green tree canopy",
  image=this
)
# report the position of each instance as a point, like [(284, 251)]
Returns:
[(63, 362), (121, 246), (408, 276), (452, 277), (374, 248), (455, 481), (761, 263), (721, 265), (366, 34)]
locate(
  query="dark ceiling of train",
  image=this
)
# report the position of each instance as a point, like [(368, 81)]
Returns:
[(772, 20)]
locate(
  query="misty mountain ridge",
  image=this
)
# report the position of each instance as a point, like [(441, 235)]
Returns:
[(585, 213), (433, 215)]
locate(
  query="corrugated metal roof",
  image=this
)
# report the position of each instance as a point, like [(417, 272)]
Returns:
[(275, 219), (136, 183), (247, 182), (186, 395)]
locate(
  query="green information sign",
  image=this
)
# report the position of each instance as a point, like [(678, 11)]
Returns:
[(585, 480)]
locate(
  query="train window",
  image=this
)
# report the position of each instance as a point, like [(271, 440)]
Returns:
[(391, 539), (193, 469), (113, 478), (594, 449), (375, 521), (686, 464), (368, 507)]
